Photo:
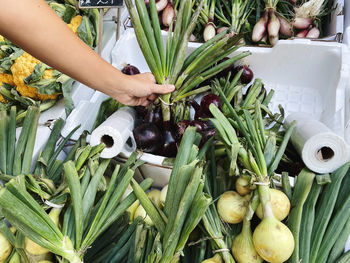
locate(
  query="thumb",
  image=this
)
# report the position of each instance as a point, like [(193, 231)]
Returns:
[(162, 89)]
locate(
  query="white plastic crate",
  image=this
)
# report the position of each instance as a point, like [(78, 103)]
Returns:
[(347, 23), (307, 76)]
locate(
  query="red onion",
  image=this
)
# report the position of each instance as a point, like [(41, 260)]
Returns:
[(285, 27), (161, 4), (168, 15), (303, 33), (247, 74), (141, 111), (148, 137), (301, 23), (232, 34), (193, 38), (260, 27), (181, 127), (207, 100), (221, 29), (154, 115), (130, 70), (313, 33), (169, 148), (198, 124)]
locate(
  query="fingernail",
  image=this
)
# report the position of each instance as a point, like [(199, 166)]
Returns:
[(171, 87)]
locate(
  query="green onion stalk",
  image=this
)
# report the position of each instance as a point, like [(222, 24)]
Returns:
[(185, 202), (168, 61), (213, 226), (73, 184), (233, 14)]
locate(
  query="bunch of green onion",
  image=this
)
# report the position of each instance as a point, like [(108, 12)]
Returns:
[(77, 185), (168, 62), (185, 202)]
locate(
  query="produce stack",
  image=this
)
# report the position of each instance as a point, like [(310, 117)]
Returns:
[(229, 197), (264, 22), (25, 81)]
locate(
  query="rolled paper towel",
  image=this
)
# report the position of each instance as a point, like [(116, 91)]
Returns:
[(115, 133), (321, 150)]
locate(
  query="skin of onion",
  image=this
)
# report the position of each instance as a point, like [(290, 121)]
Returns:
[(285, 27), (313, 33), (34, 249), (154, 195), (5, 248), (243, 248), (303, 33), (163, 193), (260, 27), (273, 27), (132, 209), (243, 186), (273, 240), (280, 205), (215, 259), (209, 32), (168, 15), (232, 207), (141, 212), (301, 23), (160, 5)]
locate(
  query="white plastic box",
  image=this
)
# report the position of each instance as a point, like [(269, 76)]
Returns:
[(307, 76)]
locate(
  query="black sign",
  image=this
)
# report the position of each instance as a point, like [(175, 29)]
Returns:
[(100, 3)]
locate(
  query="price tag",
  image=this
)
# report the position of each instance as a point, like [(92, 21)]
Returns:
[(100, 3)]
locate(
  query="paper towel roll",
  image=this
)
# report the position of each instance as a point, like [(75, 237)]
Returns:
[(322, 150), (115, 132)]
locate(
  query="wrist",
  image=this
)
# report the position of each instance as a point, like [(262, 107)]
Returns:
[(115, 82)]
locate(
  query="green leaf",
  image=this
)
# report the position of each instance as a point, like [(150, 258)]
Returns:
[(76, 195), (86, 31)]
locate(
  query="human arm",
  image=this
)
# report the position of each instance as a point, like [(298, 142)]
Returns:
[(35, 27)]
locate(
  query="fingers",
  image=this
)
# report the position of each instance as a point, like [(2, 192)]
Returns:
[(149, 77), (142, 102), (152, 97), (159, 89), (162, 89)]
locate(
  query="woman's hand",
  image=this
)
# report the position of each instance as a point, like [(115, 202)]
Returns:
[(139, 89)]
